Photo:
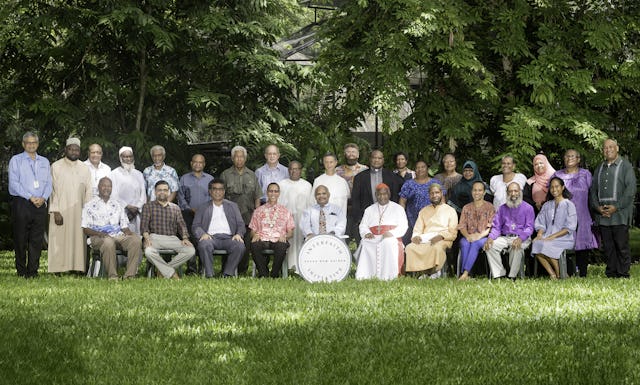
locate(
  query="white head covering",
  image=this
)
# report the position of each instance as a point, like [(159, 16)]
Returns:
[(123, 149), (75, 141)]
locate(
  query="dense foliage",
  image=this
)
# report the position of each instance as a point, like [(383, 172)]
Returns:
[(489, 77)]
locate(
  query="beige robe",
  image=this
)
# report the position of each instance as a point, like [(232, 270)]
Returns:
[(440, 220), (295, 196), (72, 188)]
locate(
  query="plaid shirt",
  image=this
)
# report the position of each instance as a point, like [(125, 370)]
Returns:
[(163, 220)]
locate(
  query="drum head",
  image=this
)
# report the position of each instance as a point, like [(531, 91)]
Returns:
[(324, 258)]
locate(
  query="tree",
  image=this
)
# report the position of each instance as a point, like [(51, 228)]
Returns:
[(513, 76)]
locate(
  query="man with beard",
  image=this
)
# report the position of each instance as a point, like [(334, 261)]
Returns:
[(98, 169), (160, 171), (72, 188), (244, 189), (435, 230), (381, 251), (512, 228), (128, 187), (161, 221), (348, 171)]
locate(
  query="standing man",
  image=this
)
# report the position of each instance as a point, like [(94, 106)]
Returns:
[(107, 226), (323, 217), (72, 188), (382, 227), (613, 189), (435, 230), (192, 194), (161, 221), (243, 189), (364, 185), (348, 171), (129, 188), (272, 171), (338, 187), (271, 226), (295, 194), (160, 171), (29, 187), (218, 225), (512, 227), (98, 169)]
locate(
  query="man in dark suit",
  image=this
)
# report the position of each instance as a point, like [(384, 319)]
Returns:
[(364, 185), (218, 225)]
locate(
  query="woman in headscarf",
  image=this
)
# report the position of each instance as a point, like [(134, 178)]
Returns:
[(535, 191), (461, 194)]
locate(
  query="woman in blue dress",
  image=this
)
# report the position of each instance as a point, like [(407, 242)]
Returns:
[(414, 195), (556, 226)]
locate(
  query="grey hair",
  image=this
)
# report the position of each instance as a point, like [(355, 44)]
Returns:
[(239, 148), (29, 134), (157, 147)]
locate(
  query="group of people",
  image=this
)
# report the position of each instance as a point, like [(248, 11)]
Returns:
[(273, 211)]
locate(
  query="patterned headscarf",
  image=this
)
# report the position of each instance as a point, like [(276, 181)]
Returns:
[(540, 181)]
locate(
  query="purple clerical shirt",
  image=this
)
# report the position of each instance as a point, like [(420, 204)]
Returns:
[(513, 221)]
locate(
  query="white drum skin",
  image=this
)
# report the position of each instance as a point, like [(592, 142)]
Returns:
[(324, 258)]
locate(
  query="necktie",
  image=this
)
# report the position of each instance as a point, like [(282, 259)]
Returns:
[(323, 222)]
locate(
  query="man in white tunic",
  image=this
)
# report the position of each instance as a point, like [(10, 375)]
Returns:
[(381, 252), (338, 187), (294, 195), (71, 182), (98, 169), (129, 187)]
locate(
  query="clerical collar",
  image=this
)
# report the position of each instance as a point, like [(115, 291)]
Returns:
[(376, 169)]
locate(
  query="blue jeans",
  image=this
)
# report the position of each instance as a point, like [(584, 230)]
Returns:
[(469, 252)]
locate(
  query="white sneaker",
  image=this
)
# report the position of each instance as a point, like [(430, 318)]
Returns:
[(436, 275)]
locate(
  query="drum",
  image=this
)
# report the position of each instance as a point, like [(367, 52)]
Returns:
[(324, 258)]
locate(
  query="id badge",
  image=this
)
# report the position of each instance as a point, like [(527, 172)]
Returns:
[(36, 184)]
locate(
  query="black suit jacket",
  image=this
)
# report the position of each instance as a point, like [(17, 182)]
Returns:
[(361, 197), (203, 218)]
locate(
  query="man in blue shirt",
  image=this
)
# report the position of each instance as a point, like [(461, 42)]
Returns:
[(29, 187), (193, 193)]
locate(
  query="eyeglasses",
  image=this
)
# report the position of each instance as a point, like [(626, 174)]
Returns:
[(217, 189), (273, 191)]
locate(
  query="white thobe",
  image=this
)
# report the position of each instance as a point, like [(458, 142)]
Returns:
[(295, 196), (339, 192), (129, 189), (381, 257), (97, 173)]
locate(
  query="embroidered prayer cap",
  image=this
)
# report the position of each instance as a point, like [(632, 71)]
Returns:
[(123, 149), (75, 141)]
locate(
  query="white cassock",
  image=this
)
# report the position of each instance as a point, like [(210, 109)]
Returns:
[(294, 195), (381, 257), (129, 189), (339, 192)]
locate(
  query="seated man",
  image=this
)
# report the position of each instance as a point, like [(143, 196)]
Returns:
[(105, 222), (512, 228), (323, 217), (161, 221), (381, 252), (435, 230), (218, 225), (271, 226)]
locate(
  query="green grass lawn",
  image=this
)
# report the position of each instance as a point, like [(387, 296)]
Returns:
[(65, 330)]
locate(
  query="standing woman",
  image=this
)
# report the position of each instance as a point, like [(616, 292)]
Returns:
[(400, 159), (461, 193), (535, 191), (449, 176), (499, 183), (475, 223), (578, 181), (556, 225), (414, 195)]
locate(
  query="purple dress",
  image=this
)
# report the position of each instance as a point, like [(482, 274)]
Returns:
[(417, 196), (578, 184), (551, 220)]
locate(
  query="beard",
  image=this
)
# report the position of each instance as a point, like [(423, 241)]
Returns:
[(352, 162), (513, 204), (128, 166)]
